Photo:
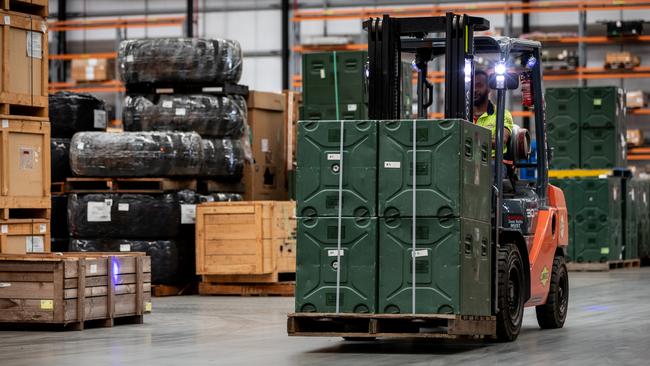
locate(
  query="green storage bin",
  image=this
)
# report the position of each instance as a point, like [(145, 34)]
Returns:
[(318, 112), (643, 214), (568, 187), (453, 174), (601, 107), (566, 154), (316, 265), (631, 220), (318, 78), (598, 219), (453, 267), (563, 126), (602, 148), (317, 172), (562, 105)]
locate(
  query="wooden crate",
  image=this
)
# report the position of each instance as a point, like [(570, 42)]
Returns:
[(24, 163), (245, 241), (23, 236), (24, 82), (35, 7), (74, 288)]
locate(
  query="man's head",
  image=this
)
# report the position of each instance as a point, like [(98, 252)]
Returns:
[(481, 88)]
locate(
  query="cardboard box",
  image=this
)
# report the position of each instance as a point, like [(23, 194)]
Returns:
[(635, 137), (24, 57), (265, 178), (23, 236), (635, 99), (93, 69)]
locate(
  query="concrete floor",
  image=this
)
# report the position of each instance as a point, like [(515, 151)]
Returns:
[(608, 323)]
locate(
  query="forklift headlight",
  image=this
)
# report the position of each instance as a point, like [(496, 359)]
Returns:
[(500, 68)]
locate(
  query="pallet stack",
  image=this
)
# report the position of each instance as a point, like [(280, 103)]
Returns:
[(185, 121), (25, 129)]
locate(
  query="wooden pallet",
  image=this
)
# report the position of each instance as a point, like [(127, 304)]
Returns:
[(390, 325), (8, 107), (86, 324), (33, 7), (248, 289), (603, 266), (173, 290), (127, 185), (209, 186), (24, 213)]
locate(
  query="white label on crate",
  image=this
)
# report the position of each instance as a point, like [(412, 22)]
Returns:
[(34, 244), (27, 158), (125, 247), (188, 214), (5, 123), (123, 207), (334, 252), (352, 107), (90, 73), (392, 164), (34, 48), (93, 269), (92, 61), (42, 228), (334, 157), (180, 111), (421, 253), (4, 229), (7, 20), (99, 119), (99, 212), (129, 58), (265, 145), (322, 73), (167, 104), (80, 146), (108, 202)]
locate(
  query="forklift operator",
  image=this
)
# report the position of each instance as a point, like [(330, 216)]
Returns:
[(485, 111)]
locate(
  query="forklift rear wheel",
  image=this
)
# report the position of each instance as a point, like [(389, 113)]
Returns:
[(553, 314), (511, 291)]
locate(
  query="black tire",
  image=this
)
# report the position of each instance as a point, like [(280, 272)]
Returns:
[(359, 339), (553, 314), (511, 286)]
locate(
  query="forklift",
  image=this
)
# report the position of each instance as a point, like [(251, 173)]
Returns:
[(529, 216)]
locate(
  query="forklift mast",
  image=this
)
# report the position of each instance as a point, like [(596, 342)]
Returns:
[(389, 37)]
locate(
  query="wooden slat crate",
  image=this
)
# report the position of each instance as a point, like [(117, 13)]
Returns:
[(35, 7), (23, 236), (245, 241), (24, 163), (24, 82), (74, 288)]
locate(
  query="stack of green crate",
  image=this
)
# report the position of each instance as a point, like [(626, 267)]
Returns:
[(452, 224), (586, 127), (632, 189), (643, 217), (568, 187)]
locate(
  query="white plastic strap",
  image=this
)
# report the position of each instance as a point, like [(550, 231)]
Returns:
[(413, 238), (340, 206)]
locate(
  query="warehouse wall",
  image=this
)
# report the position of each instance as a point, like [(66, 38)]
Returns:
[(260, 32)]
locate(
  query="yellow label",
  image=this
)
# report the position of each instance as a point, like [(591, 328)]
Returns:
[(604, 250), (47, 304), (544, 276), (598, 102), (147, 306)]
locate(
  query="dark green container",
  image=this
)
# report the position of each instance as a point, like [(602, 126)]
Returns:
[(602, 148), (453, 174), (598, 219), (349, 112), (318, 78), (317, 172), (568, 187), (563, 126), (316, 261), (601, 107), (643, 215), (631, 220), (452, 266)]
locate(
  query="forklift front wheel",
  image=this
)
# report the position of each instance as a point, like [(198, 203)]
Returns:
[(553, 314), (511, 284)]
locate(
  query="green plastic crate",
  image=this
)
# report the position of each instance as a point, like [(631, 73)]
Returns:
[(601, 107), (316, 262), (631, 220), (452, 266), (568, 187), (318, 78), (318, 112), (602, 148), (317, 171), (453, 174), (563, 126)]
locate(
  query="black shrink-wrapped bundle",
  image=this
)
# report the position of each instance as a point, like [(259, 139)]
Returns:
[(60, 159), (136, 154), (180, 60), (219, 197), (119, 215), (208, 115), (165, 263), (223, 158), (74, 112)]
